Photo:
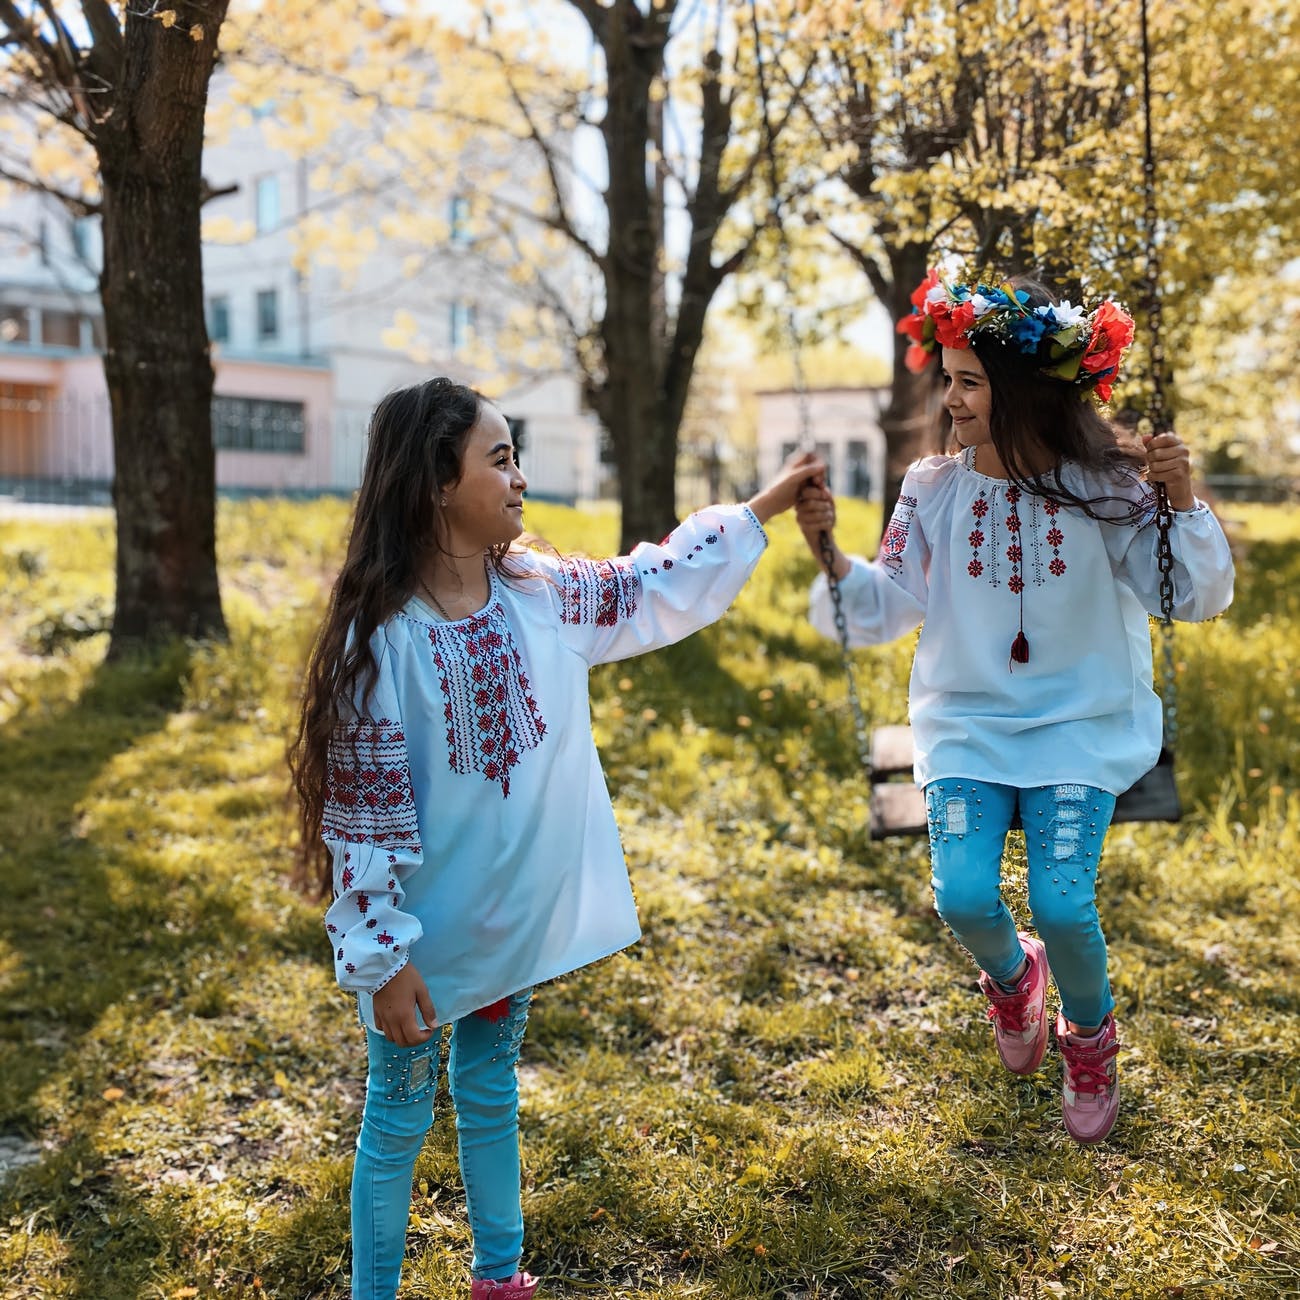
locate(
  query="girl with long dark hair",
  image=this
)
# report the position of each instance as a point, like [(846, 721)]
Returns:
[(451, 796), (1029, 553)]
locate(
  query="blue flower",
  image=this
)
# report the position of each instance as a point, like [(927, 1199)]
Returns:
[(1027, 332)]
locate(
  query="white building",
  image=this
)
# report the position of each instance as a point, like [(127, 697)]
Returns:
[(845, 423), (300, 362)]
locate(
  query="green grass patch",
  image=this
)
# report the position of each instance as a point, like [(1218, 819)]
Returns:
[(786, 1090)]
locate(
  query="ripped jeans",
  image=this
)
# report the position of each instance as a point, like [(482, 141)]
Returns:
[(1065, 826), (400, 1088)]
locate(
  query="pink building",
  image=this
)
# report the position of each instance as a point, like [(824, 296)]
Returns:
[(271, 425)]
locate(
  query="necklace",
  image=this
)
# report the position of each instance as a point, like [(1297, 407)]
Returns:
[(437, 604)]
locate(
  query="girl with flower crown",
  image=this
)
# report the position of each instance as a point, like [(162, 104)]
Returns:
[(1029, 557)]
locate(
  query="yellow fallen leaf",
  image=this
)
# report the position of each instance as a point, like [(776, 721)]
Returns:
[(112, 1094)]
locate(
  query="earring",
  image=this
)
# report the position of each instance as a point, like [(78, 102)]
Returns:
[(442, 501)]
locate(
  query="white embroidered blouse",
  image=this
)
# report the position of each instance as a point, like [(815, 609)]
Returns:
[(968, 554), (470, 826)]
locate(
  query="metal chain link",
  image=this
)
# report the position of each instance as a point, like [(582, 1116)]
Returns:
[(1157, 410), (1165, 563), (846, 657)]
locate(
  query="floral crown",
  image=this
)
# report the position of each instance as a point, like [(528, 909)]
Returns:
[(1059, 340)]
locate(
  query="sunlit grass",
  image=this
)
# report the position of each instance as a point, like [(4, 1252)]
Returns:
[(786, 1090)]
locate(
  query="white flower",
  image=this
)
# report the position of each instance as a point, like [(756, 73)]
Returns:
[(937, 294), (980, 303), (1066, 314)]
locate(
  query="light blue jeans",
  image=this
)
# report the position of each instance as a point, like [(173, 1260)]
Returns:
[(400, 1088), (1065, 826)]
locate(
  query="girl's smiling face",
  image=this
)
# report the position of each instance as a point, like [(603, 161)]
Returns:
[(485, 506), (967, 397)]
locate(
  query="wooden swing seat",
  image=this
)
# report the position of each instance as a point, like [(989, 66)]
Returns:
[(898, 805)]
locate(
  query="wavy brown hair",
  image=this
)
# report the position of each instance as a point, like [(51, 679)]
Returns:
[(1033, 412), (417, 440)]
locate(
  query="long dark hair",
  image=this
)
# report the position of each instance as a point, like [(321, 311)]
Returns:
[(1032, 413), (417, 441)]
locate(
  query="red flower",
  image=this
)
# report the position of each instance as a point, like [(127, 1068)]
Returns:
[(1112, 332), (974, 568), (931, 281), (913, 326), (1057, 567), (916, 358), (1016, 583), (1055, 537), (950, 328), (976, 539)]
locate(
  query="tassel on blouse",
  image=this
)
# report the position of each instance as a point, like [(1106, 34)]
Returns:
[(1020, 649)]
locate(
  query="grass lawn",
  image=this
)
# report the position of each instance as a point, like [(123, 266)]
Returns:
[(788, 1089)]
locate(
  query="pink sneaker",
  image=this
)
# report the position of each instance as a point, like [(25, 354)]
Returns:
[(519, 1287), (1019, 1027), (1090, 1096)]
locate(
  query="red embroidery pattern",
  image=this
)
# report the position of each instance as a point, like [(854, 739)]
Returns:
[(1014, 552), (1054, 537), (368, 794), (987, 549), (488, 701), (600, 591), (894, 542)]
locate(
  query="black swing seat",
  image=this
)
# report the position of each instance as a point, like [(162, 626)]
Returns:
[(898, 806)]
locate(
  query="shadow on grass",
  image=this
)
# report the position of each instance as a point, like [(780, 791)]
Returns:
[(93, 930)]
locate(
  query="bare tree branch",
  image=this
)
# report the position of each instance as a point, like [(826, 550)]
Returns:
[(561, 220), (879, 281), (77, 203)]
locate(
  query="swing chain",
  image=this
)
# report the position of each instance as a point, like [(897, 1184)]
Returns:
[(1157, 411), (1165, 563), (846, 657)]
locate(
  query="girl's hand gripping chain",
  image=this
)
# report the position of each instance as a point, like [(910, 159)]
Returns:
[(1169, 462), (396, 1005), (788, 487), (814, 512)]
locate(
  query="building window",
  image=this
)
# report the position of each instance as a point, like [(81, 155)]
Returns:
[(268, 314), (85, 242), (219, 319), (60, 329), (15, 325), (461, 324), (459, 220), (268, 203), (258, 424), (859, 468)]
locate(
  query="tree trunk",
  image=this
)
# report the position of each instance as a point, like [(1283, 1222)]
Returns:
[(910, 420), (632, 406), (157, 361)]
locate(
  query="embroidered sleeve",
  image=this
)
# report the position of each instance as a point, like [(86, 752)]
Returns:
[(1203, 572), (368, 794), (885, 599), (371, 828), (613, 609)]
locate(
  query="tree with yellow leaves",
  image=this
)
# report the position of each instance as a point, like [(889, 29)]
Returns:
[(1010, 132), (614, 173), (106, 105)]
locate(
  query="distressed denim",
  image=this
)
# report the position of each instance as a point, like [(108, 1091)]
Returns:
[(400, 1088), (1065, 826)]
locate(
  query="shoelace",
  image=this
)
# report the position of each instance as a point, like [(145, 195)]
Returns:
[(1091, 1073), (1010, 1015)]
